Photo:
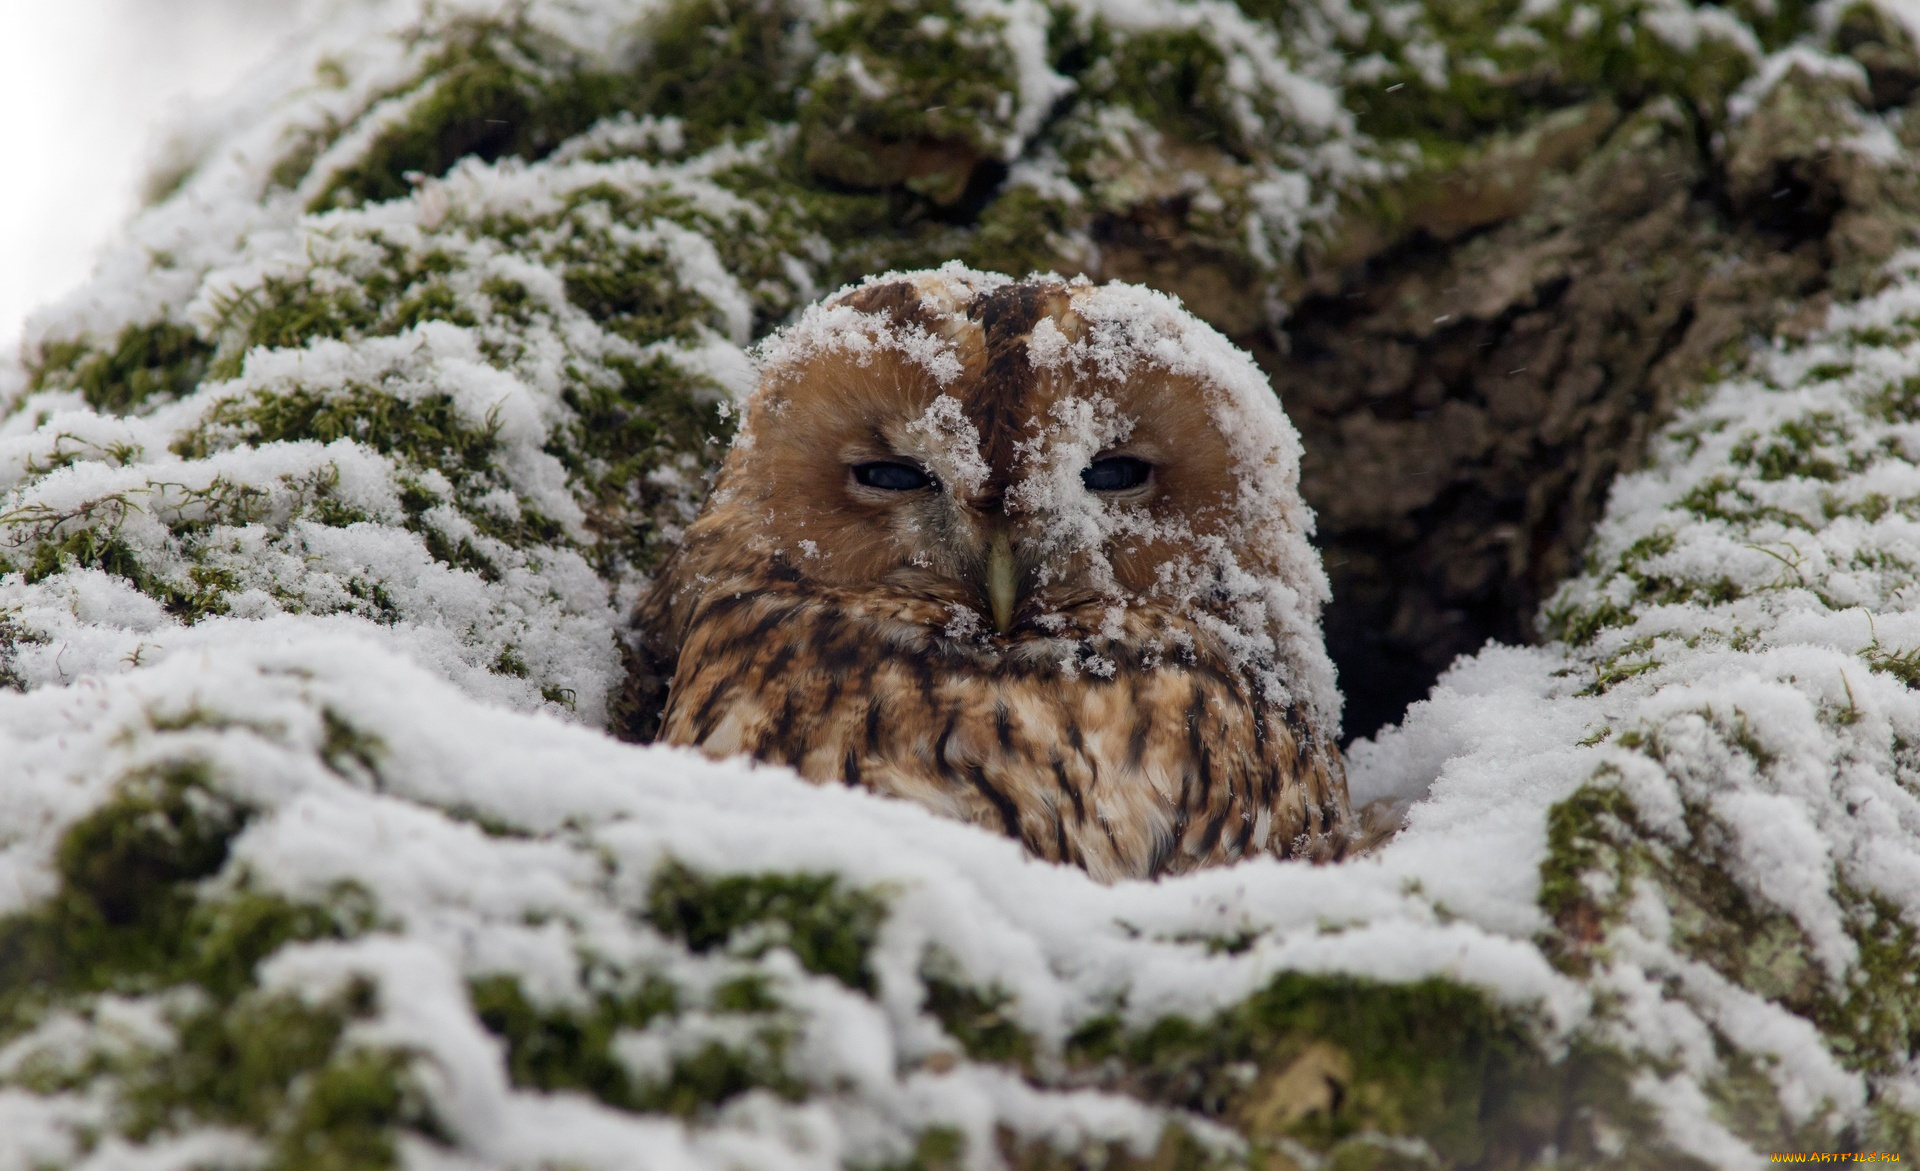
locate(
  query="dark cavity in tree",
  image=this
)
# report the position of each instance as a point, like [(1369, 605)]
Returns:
[(1468, 392)]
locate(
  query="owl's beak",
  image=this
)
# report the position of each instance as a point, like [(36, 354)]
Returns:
[(1002, 581)]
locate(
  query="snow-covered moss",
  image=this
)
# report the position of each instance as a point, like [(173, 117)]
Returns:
[(1753, 824), (324, 502), (201, 962), (602, 203), (1735, 830), (590, 209)]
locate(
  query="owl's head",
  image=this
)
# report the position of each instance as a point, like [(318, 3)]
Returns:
[(1043, 470)]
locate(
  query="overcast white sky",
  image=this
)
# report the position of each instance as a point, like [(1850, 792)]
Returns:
[(87, 87)]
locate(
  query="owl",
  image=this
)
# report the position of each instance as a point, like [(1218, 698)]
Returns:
[(1030, 553)]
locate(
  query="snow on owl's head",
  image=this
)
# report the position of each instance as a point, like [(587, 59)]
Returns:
[(1040, 458)]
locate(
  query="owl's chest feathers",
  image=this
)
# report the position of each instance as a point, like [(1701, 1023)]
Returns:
[(1159, 764)]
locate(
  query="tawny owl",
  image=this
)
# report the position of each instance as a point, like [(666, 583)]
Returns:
[(1029, 553)]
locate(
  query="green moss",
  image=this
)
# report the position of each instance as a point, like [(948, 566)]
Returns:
[(938, 1149), (1021, 232), (12, 637), (1870, 507), (572, 1047), (1722, 497), (1334, 1063), (39, 542), (1896, 402), (127, 917), (303, 151), (427, 432), (1875, 1026), (51, 550), (1776, 22), (501, 89), (1600, 852), (157, 360), (632, 287), (633, 292), (977, 1019), (461, 554), (274, 1066), (285, 313), (1800, 447), (70, 449), (348, 1113), (393, 291), (569, 1048), (829, 928), (721, 66), (622, 432), (1506, 65), (1176, 80), (348, 750), (496, 89), (716, 1073), (641, 444), (945, 97), (264, 1062), (45, 544), (1579, 624), (124, 862), (226, 937), (1615, 670)]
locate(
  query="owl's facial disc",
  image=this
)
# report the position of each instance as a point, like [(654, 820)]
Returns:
[(958, 540), (967, 529), (944, 467)]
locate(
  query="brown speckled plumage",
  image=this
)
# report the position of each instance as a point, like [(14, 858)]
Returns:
[(810, 621)]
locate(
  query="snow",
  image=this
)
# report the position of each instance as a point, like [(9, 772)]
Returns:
[(582, 839), (1730, 669), (1775, 67), (1755, 727), (832, 326), (954, 443)]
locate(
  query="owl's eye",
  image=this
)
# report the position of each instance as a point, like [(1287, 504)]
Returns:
[(891, 477), (1116, 473)]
